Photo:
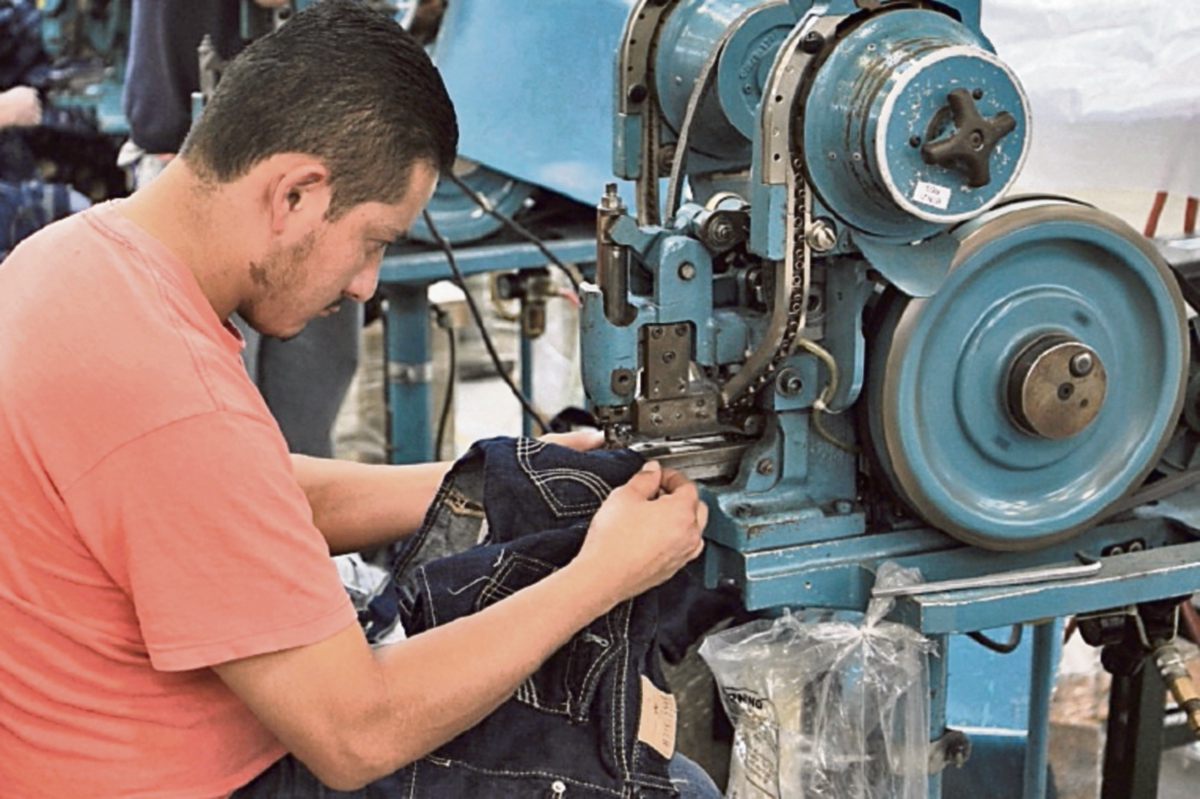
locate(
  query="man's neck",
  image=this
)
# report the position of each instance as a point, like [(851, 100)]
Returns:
[(197, 223)]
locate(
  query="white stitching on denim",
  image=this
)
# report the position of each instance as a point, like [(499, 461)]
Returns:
[(429, 593), (542, 479), (627, 616)]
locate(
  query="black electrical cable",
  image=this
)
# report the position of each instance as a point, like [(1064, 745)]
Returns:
[(1014, 640), (448, 401), (516, 227), (478, 317)]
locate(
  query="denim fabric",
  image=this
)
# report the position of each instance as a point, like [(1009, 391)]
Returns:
[(507, 514), (573, 724), (290, 779)]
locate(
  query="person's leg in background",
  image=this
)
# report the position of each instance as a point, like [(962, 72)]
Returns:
[(304, 379)]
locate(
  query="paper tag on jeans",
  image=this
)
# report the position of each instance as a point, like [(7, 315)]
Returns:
[(657, 725)]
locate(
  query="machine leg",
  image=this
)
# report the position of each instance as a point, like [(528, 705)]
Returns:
[(939, 675), (409, 370), (1040, 687), (1133, 750), (526, 367)]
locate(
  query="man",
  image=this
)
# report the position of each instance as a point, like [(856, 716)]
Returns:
[(304, 380), (173, 624)]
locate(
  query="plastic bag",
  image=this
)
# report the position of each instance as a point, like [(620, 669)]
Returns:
[(824, 708)]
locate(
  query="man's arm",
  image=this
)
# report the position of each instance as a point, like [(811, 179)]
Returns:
[(353, 714), (359, 506)]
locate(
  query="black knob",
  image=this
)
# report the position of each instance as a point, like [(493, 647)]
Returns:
[(969, 148)]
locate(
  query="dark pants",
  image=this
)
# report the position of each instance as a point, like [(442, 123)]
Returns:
[(289, 779)]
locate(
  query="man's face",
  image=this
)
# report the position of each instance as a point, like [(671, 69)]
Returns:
[(334, 261)]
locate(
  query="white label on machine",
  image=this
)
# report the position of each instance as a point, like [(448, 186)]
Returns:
[(932, 194)]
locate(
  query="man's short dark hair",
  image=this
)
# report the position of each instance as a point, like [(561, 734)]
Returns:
[(339, 81)]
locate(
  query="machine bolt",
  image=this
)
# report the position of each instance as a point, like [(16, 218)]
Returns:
[(821, 235), (765, 466), (977, 94), (812, 42), (681, 330), (637, 93), (789, 383), (656, 332), (914, 141), (687, 271), (843, 506), (1065, 391), (1082, 364), (668, 357)]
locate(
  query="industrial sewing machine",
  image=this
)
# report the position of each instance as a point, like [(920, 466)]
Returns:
[(838, 321)]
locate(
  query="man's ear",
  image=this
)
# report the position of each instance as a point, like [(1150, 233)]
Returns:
[(299, 195)]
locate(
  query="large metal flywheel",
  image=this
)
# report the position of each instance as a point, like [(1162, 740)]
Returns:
[(1039, 385)]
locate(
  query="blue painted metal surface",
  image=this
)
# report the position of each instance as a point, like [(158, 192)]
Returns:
[(726, 118), (420, 266), (459, 218), (404, 277), (514, 68), (938, 402), (1124, 580), (879, 97)]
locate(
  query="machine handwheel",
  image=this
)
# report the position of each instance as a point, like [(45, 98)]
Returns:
[(1039, 385)]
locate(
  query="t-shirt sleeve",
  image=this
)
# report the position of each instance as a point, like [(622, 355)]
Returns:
[(203, 525)]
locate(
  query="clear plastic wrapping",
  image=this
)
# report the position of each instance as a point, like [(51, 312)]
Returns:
[(825, 708)]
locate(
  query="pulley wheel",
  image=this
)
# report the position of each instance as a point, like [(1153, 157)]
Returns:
[(1039, 385)]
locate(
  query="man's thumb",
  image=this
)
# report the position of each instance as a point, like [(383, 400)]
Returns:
[(647, 481)]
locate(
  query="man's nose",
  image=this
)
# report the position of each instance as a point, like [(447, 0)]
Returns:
[(362, 288)]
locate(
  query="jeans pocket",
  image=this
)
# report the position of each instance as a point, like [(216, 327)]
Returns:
[(567, 492)]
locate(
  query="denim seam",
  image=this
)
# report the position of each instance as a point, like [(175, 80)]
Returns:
[(447, 762), (543, 478), (622, 685), (429, 593)]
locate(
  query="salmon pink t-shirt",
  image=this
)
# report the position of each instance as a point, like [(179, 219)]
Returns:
[(150, 526)]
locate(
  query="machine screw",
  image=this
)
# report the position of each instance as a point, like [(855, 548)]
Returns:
[(914, 141), (668, 357), (637, 93), (977, 94), (1065, 391), (1082, 364), (687, 271), (656, 332), (765, 466), (843, 506), (812, 42)]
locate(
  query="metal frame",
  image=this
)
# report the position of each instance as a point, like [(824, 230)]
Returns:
[(404, 276)]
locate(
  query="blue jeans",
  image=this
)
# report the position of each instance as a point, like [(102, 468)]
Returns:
[(290, 779), (507, 514)]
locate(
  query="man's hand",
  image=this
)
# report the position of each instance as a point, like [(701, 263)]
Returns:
[(645, 531), (20, 105), (578, 440)]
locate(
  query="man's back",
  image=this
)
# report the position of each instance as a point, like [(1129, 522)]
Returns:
[(129, 559)]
